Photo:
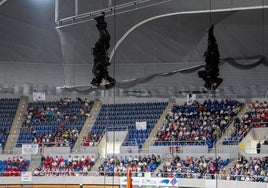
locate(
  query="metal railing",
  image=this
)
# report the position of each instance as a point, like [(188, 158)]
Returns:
[(178, 143), (181, 175)]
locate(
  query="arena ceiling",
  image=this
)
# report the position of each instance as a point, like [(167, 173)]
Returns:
[(156, 49)]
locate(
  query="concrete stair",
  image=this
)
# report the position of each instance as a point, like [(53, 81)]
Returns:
[(87, 125), (35, 161), (151, 138), (16, 126), (231, 126)]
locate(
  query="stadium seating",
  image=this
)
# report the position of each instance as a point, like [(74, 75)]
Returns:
[(53, 123), (64, 166), (91, 139), (250, 169), (139, 165), (197, 124), (255, 116), (8, 107), (46, 118), (13, 166), (193, 167), (123, 117)]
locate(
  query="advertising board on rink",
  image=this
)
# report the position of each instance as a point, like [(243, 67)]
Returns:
[(141, 181), (29, 149), (26, 177)]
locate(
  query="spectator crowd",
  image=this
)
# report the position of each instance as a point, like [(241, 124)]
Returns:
[(61, 166), (197, 123), (139, 165), (13, 166), (55, 123), (256, 116)]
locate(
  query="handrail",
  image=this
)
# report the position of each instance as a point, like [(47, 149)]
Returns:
[(182, 175), (178, 143)]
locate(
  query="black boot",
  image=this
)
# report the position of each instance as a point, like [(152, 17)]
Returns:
[(207, 85), (95, 82), (216, 84), (100, 17), (111, 81)]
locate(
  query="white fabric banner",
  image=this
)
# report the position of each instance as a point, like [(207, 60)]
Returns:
[(191, 98), (29, 149), (141, 125), (26, 176), (39, 96)]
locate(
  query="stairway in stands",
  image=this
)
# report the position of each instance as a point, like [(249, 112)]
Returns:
[(125, 117), (87, 125), (231, 126), (157, 126), (35, 161), (16, 125)]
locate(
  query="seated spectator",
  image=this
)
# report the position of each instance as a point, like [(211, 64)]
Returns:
[(14, 166), (197, 123), (91, 139), (54, 123), (193, 167), (118, 166), (256, 115), (249, 169), (59, 166)]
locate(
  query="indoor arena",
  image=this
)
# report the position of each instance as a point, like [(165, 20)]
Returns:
[(133, 94)]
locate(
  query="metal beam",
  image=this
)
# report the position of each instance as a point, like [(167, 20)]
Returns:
[(56, 11), (110, 11), (179, 13), (76, 8), (2, 2)]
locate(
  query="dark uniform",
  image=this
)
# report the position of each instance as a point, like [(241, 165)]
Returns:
[(212, 59), (101, 59), (258, 147)]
